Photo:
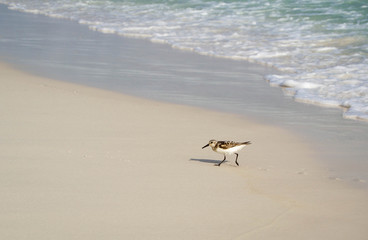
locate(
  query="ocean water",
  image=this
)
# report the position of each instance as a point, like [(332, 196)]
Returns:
[(319, 46)]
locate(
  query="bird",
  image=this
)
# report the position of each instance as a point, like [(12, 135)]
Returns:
[(226, 148)]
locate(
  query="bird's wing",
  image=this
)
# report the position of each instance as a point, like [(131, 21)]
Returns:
[(230, 144), (227, 144)]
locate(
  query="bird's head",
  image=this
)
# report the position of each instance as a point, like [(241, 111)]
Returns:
[(211, 143)]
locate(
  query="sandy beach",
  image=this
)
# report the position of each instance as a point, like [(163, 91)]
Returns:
[(70, 52), (83, 163)]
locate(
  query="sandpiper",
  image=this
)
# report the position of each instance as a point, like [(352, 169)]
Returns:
[(227, 148)]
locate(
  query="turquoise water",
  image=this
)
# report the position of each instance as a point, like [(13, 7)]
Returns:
[(321, 47)]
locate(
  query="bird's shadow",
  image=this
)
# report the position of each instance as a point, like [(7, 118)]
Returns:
[(206, 160)]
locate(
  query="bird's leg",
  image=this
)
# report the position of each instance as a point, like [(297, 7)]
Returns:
[(236, 160), (222, 161)]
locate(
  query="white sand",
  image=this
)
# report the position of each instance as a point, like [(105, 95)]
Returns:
[(82, 163)]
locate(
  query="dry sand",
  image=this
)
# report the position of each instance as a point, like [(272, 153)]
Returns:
[(83, 163)]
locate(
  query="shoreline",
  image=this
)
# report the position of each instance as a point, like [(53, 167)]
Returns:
[(72, 52), (210, 38), (80, 156)]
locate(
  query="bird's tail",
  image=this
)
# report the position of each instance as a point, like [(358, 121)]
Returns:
[(247, 143)]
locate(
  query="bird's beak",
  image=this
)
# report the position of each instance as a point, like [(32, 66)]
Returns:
[(205, 146)]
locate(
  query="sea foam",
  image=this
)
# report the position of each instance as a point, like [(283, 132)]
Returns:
[(319, 46)]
